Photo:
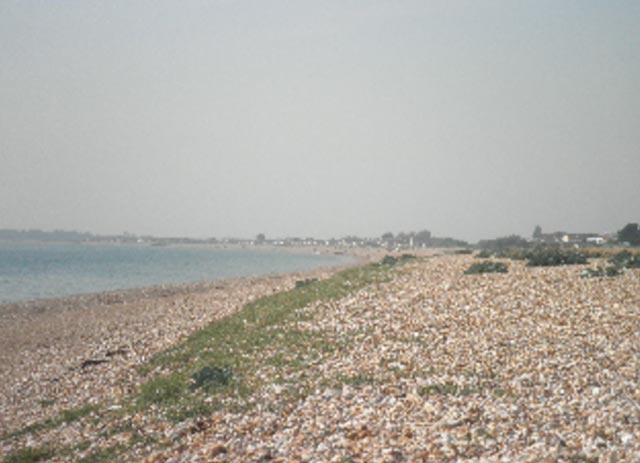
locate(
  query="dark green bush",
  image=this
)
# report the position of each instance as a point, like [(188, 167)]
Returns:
[(486, 267), (211, 377), (463, 251), (546, 257), (389, 260), (600, 272), (625, 259)]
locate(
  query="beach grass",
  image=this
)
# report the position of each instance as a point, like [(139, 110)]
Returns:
[(234, 344)]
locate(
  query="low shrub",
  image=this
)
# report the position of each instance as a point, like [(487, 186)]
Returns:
[(625, 259), (486, 267), (463, 251), (211, 377), (392, 260), (546, 257), (389, 260), (600, 272)]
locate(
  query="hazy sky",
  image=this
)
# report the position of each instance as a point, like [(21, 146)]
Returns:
[(215, 118)]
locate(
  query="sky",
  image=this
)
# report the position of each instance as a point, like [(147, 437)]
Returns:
[(305, 118)]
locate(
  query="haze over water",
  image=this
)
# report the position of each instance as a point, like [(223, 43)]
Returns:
[(44, 270)]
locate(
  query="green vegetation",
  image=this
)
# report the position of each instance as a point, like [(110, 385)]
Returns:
[(600, 272), (221, 359), (65, 417), (546, 257), (463, 251), (163, 390), (630, 234), (211, 377), (301, 283), (391, 260), (486, 267), (625, 259)]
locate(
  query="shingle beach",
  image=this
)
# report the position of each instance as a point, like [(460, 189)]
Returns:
[(424, 365)]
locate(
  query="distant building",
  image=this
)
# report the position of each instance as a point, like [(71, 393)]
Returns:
[(573, 239)]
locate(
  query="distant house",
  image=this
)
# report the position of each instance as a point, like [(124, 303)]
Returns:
[(596, 240), (582, 238), (571, 239)]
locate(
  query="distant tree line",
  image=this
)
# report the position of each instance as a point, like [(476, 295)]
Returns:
[(41, 235), (503, 243), (630, 234)]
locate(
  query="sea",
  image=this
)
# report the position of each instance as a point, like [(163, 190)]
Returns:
[(30, 270)]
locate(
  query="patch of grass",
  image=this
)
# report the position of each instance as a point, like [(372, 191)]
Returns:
[(163, 390), (30, 455), (74, 414), (486, 267), (65, 417), (242, 343)]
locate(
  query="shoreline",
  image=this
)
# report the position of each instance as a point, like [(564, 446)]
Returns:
[(358, 256), (66, 352), (61, 353)]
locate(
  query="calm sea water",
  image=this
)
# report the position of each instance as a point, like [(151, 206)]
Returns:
[(43, 270)]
